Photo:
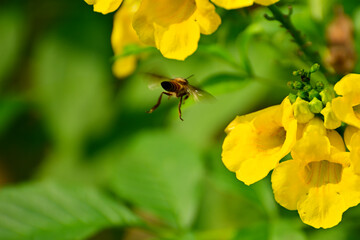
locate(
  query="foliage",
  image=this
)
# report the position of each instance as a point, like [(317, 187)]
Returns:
[(80, 158)]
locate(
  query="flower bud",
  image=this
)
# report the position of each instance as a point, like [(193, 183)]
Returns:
[(315, 105), (298, 85), (302, 94), (292, 98), (302, 111), (313, 94), (330, 120), (319, 86), (327, 95), (314, 68), (307, 87)]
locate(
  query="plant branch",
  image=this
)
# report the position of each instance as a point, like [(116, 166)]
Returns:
[(299, 39)]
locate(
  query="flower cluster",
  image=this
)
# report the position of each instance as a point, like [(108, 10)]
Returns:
[(172, 26), (322, 180)]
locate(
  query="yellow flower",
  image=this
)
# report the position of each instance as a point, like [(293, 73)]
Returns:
[(174, 26), (255, 143), (122, 35), (352, 140), (232, 4), (330, 120), (302, 111), (104, 6), (347, 106), (319, 182)]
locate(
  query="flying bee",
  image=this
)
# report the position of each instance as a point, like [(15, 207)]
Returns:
[(179, 88)]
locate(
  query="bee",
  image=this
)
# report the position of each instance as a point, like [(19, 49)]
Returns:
[(179, 88)]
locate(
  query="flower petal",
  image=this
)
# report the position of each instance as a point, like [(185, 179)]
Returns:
[(104, 6), (330, 120), (346, 107), (206, 17), (343, 109), (348, 84), (315, 126), (246, 118), (287, 184), (258, 166), (348, 134), (179, 40), (253, 149), (323, 207), (336, 140), (234, 144), (312, 148), (166, 12), (232, 4), (122, 35), (125, 66), (266, 2), (355, 159)]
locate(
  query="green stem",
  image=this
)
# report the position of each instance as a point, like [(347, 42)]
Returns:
[(299, 39)]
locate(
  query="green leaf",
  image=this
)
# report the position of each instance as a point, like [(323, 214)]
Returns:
[(276, 230), (243, 42), (221, 53), (10, 108), (70, 83), (13, 32), (53, 211), (285, 229), (160, 173), (259, 231), (224, 82)]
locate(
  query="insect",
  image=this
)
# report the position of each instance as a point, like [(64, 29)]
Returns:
[(179, 88)]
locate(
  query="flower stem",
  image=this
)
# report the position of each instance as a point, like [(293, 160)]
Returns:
[(299, 39)]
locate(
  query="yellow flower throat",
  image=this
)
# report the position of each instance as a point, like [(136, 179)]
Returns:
[(322, 172)]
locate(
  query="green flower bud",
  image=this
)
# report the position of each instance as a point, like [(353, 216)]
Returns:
[(298, 85), (319, 86), (314, 68), (292, 98), (327, 95), (302, 111), (307, 87), (302, 94), (315, 105), (299, 72), (313, 94), (290, 84)]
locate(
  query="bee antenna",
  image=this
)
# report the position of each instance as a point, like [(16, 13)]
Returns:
[(189, 76)]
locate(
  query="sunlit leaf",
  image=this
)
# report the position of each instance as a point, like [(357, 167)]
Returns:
[(224, 83), (71, 89), (259, 231), (161, 173), (13, 33), (53, 211), (221, 53)]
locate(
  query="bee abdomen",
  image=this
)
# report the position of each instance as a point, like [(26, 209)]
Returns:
[(170, 86)]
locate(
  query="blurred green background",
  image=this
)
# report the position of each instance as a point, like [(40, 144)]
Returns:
[(80, 158)]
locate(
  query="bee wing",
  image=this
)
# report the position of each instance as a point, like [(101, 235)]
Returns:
[(200, 95), (154, 80)]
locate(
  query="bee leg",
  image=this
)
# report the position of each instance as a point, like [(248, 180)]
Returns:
[(158, 102), (186, 97), (180, 102)]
